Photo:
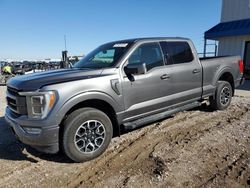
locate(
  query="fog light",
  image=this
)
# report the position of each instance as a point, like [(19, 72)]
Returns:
[(32, 130)]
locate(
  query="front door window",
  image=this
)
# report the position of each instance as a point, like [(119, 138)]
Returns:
[(149, 53)]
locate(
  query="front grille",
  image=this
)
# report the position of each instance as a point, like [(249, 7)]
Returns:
[(12, 91), (15, 102)]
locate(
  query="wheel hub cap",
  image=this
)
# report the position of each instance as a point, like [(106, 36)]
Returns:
[(90, 136), (225, 96)]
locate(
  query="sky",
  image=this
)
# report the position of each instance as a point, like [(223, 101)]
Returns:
[(35, 29)]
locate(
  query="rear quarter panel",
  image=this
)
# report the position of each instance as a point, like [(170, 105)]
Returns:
[(214, 68)]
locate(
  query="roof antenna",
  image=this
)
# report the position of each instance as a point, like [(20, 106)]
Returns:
[(65, 43)]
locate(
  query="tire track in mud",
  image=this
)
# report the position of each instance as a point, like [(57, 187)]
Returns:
[(238, 165), (186, 140), (178, 141), (222, 124), (185, 136), (123, 146)]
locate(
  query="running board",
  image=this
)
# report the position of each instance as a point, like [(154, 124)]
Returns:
[(155, 117)]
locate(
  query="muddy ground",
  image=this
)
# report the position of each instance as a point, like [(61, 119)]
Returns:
[(197, 148)]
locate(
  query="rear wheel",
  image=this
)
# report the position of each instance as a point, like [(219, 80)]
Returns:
[(87, 134), (223, 96)]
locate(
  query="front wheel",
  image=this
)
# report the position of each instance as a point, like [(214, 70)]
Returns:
[(87, 134), (223, 96)]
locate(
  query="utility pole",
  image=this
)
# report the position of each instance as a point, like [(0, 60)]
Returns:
[(65, 43), (65, 63)]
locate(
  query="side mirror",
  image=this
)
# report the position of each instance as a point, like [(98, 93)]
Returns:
[(138, 68)]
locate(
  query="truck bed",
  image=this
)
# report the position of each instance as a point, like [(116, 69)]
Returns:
[(214, 67)]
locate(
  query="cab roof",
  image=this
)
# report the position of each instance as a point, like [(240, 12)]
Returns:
[(150, 38)]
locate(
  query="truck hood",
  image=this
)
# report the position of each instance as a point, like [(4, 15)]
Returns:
[(35, 81)]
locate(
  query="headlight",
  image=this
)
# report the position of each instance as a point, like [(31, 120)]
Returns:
[(39, 104)]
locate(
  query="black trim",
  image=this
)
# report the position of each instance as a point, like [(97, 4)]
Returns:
[(245, 56)]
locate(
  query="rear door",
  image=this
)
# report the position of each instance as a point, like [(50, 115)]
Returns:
[(187, 75)]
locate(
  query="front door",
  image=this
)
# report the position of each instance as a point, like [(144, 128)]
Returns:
[(147, 93), (247, 59)]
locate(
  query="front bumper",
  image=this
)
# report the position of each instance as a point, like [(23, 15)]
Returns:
[(47, 140)]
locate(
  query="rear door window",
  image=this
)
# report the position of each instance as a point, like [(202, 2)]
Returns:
[(177, 52)]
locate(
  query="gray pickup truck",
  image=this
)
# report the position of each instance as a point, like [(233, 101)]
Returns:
[(120, 85)]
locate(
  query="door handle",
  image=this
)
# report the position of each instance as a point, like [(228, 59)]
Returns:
[(195, 71), (165, 76)]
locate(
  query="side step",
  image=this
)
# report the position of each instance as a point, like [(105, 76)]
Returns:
[(155, 117)]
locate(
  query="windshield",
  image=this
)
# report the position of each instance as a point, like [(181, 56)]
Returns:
[(104, 56)]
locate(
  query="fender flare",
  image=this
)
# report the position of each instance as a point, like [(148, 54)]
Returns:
[(93, 95), (220, 73)]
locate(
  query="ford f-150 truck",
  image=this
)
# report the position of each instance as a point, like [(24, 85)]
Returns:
[(120, 85)]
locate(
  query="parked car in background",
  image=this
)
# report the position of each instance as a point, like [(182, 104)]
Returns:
[(27, 66), (18, 68)]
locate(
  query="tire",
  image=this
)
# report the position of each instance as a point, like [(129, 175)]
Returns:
[(223, 96), (87, 134)]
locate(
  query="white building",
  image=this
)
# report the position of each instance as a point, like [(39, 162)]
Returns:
[(233, 33)]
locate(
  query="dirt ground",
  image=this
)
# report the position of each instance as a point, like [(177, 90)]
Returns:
[(197, 148)]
